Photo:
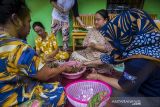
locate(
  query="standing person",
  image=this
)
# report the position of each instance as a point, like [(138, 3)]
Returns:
[(135, 39), (22, 74), (46, 44), (60, 18)]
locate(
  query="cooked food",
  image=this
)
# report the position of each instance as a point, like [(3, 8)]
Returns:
[(53, 64), (75, 69)]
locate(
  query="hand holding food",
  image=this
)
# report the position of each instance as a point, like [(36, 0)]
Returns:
[(92, 45)]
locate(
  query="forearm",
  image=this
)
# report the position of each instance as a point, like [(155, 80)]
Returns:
[(111, 81), (79, 20), (98, 62), (93, 63), (100, 48), (46, 72), (56, 6)]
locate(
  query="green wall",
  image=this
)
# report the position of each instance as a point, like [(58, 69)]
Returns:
[(41, 11), (152, 7)]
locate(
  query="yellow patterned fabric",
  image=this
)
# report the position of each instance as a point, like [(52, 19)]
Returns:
[(157, 23), (47, 46), (19, 63)]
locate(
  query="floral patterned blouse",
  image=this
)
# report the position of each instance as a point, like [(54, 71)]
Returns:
[(48, 45)]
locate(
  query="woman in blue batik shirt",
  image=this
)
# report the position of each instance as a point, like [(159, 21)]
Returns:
[(136, 41)]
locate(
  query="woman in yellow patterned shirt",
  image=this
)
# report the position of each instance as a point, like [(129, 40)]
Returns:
[(46, 44)]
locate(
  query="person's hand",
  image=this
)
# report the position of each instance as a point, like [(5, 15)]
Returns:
[(80, 22), (92, 45), (48, 60), (67, 68), (87, 63), (64, 11), (83, 25), (94, 76), (54, 53), (55, 22), (90, 64)]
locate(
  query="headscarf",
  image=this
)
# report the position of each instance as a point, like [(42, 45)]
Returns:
[(133, 34)]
